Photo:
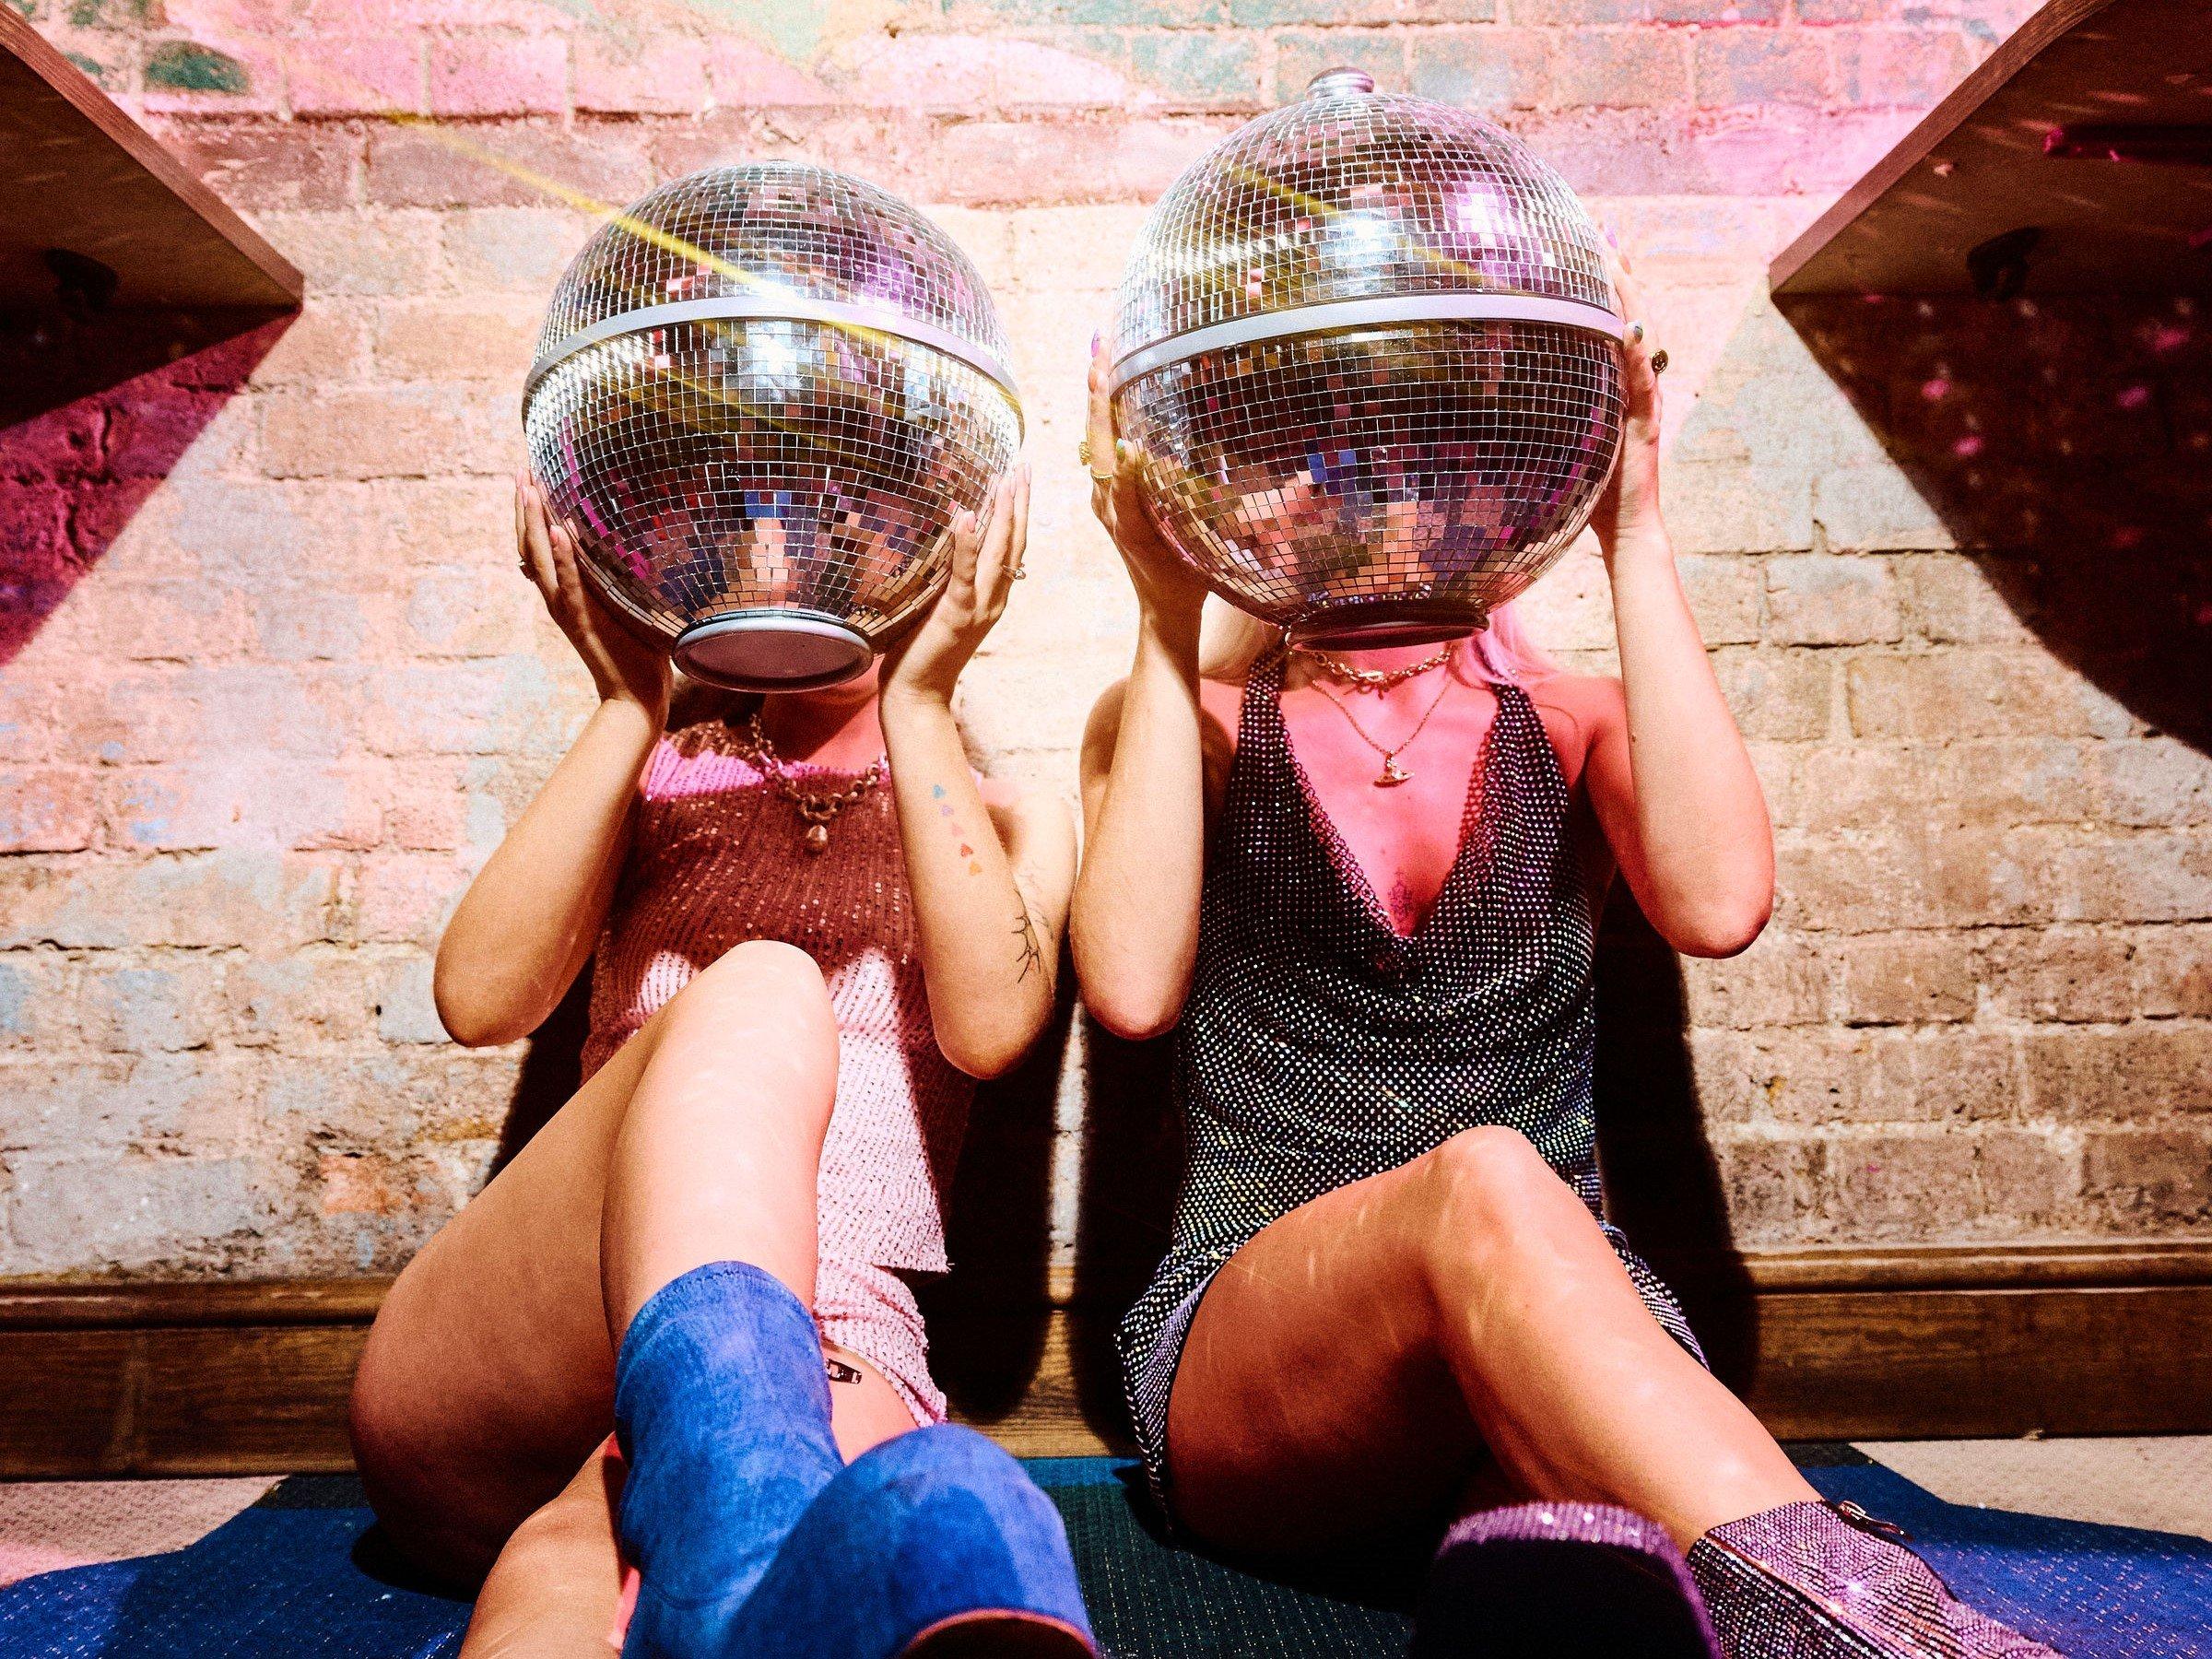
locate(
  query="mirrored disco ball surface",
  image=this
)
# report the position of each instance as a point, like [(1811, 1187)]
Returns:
[(1367, 363), (760, 396)]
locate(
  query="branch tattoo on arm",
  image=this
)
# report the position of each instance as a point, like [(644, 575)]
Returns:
[(1032, 953)]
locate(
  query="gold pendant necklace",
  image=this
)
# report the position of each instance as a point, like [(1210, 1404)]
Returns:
[(1392, 774), (816, 807)]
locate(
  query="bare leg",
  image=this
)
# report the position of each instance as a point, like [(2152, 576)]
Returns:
[(490, 1375), (1349, 1364)]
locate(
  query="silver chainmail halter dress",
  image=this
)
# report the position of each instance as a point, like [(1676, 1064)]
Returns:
[(1319, 1046)]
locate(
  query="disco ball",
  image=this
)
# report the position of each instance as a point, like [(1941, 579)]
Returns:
[(1368, 366), (760, 396)]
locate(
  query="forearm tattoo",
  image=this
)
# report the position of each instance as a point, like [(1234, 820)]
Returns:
[(952, 824), (1032, 953)]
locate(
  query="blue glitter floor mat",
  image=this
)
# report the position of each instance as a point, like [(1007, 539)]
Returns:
[(302, 1576)]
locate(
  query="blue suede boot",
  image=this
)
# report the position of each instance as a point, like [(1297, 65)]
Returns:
[(935, 1543), (723, 1412)]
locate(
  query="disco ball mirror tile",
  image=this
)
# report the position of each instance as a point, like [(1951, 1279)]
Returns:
[(1367, 366), (760, 394)]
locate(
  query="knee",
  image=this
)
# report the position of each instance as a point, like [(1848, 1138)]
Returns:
[(1488, 1193), (761, 985)]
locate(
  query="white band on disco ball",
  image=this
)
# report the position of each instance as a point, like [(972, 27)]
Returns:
[(1361, 313), (782, 308)]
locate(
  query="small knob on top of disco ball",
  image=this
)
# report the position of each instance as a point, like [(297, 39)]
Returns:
[(1340, 82)]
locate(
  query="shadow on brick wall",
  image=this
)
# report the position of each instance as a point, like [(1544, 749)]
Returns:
[(94, 412), (2066, 444), (988, 1318), (1664, 1186)]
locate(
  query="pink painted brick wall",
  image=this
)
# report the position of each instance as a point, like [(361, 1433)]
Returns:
[(253, 754)]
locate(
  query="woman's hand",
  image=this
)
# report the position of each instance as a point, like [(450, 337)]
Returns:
[(624, 667), (1167, 588), (987, 551), (1627, 513)]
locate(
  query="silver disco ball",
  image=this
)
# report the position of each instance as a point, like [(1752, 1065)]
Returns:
[(760, 396), (1368, 362)]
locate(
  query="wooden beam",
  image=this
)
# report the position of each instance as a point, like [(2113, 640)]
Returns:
[(79, 175), (1893, 1342), (1975, 169)]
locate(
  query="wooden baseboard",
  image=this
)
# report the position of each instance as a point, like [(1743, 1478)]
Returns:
[(1829, 1343)]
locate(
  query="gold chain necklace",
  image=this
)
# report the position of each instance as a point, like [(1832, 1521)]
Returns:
[(816, 807), (1376, 679), (1392, 774)]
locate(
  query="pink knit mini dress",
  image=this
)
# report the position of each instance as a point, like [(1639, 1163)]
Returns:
[(716, 859)]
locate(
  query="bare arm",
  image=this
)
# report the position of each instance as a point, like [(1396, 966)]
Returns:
[(990, 886), (530, 919), (1669, 777), (1135, 926)]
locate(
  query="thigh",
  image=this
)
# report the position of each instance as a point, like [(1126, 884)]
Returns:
[(489, 1373), (1312, 1404)]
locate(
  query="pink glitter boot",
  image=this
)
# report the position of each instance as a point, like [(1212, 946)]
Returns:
[(1819, 1581)]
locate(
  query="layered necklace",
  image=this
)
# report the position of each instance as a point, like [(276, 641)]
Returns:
[(1379, 680), (817, 809)]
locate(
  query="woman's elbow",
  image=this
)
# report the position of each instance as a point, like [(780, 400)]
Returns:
[(1723, 929), (470, 1018), (1133, 1018)]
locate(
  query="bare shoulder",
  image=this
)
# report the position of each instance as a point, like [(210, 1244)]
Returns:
[(1578, 711)]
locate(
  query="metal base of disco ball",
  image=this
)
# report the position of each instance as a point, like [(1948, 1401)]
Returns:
[(773, 651), (1372, 625)]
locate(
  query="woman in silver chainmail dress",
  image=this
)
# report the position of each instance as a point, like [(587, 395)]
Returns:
[(1360, 892)]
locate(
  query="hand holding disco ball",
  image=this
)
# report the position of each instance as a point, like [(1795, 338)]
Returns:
[(760, 395), (1368, 366)]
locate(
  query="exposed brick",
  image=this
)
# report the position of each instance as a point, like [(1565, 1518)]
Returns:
[(1723, 592), (1724, 509), (1952, 603), (148, 1009), (1777, 982), (371, 74), (1815, 1077), (588, 168), (1776, 694), (1200, 68), (2148, 1179), (1623, 67), (1914, 67), (2157, 780), (499, 249), (128, 1212), (48, 810), (360, 253), (499, 74), (1875, 509), (1892, 1186), (1949, 694), (2062, 975), (1761, 67), (1772, 1186), (2173, 971), (2114, 1073), (1303, 53), (1490, 68), (1829, 599), (420, 430), (656, 76), (444, 341), (1907, 979)]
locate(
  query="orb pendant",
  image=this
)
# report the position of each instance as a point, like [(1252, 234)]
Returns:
[(818, 837), (1392, 774)]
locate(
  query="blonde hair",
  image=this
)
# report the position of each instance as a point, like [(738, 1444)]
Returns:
[(1229, 642)]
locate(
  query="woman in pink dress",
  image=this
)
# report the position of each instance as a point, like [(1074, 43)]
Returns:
[(812, 927)]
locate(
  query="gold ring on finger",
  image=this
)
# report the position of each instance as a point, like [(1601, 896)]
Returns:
[(1083, 449)]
